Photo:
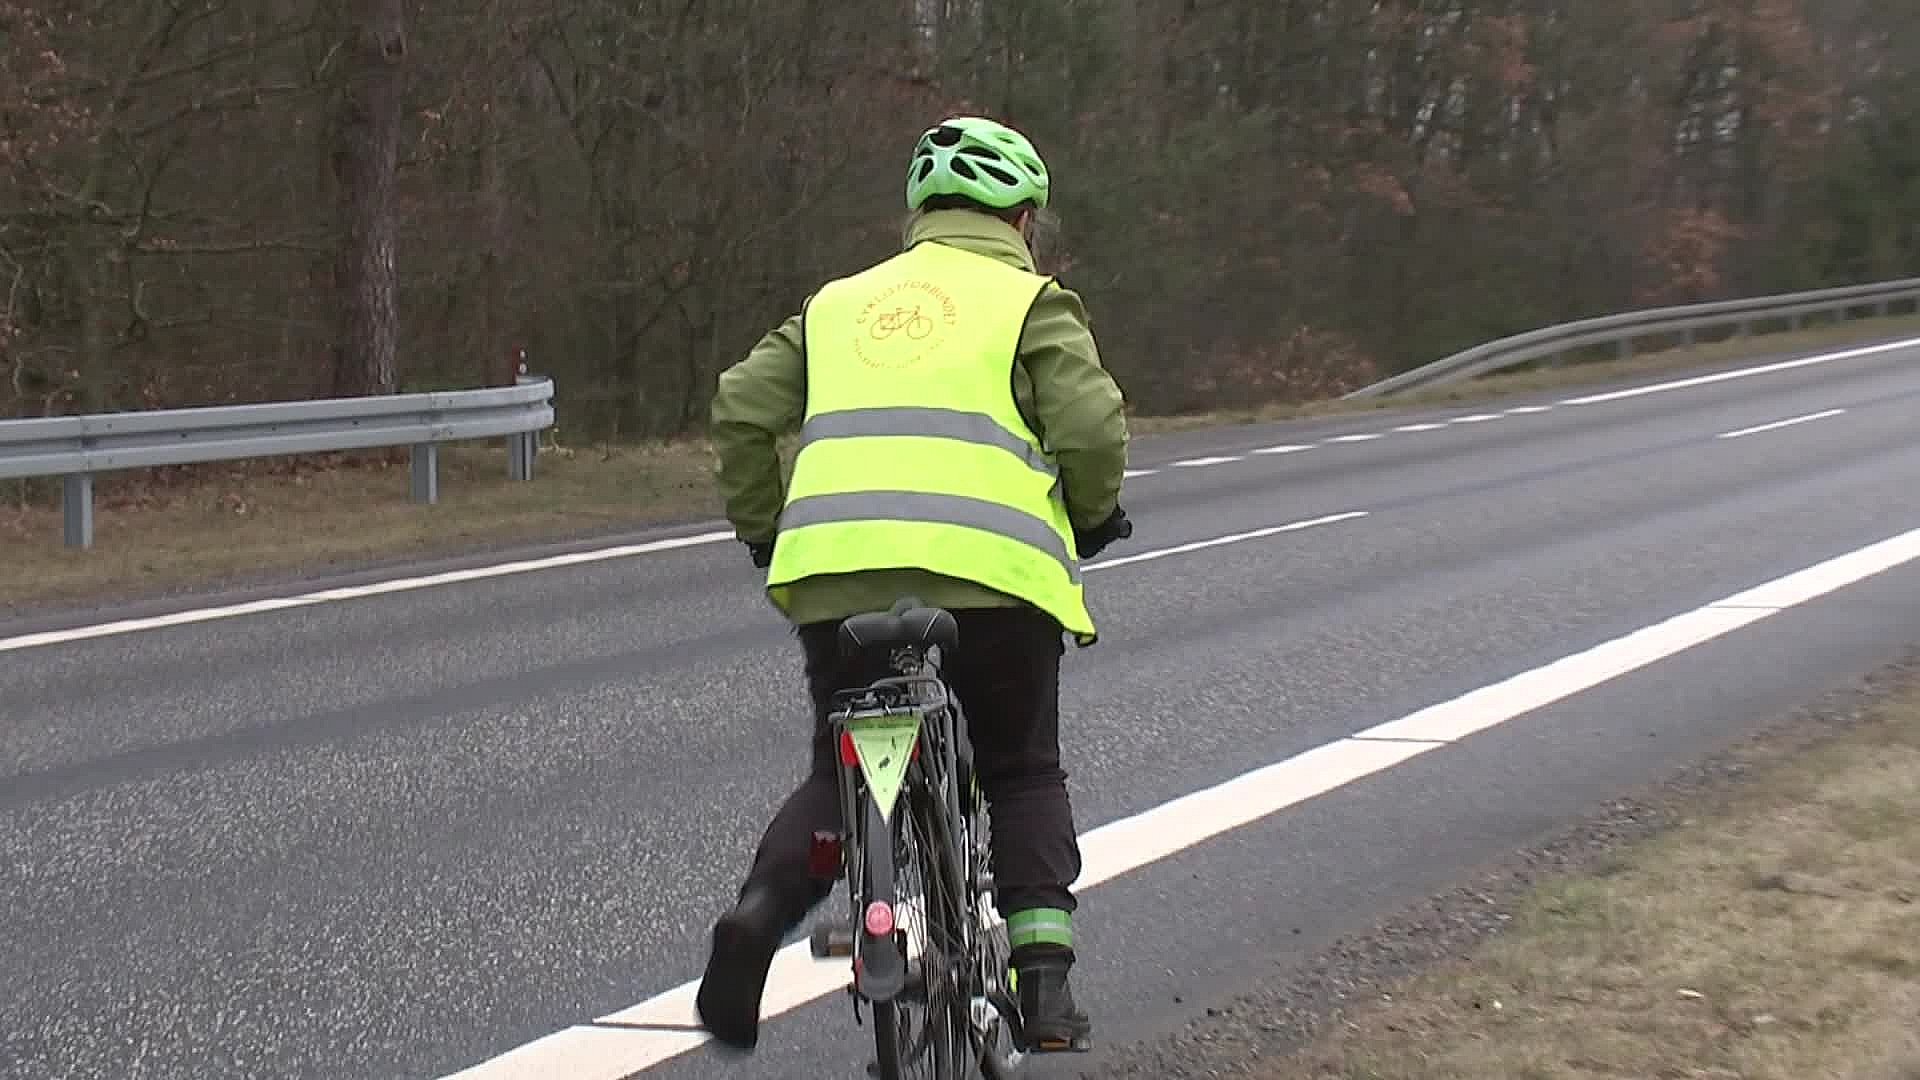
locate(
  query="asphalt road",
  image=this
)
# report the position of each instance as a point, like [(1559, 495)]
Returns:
[(397, 835)]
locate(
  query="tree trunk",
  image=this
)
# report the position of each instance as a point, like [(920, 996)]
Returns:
[(366, 163)]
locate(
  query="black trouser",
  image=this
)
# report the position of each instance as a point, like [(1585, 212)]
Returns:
[(1006, 673)]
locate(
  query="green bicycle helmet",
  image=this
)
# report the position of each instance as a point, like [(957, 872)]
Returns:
[(990, 163)]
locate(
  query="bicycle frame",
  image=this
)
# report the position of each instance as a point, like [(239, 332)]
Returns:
[(875, 722), (870, 721)]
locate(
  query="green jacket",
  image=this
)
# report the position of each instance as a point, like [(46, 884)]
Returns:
[(1061, 389)]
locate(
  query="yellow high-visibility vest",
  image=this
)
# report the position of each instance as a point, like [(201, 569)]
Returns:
[(913, 453)]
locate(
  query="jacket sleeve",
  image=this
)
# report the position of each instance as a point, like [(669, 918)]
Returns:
[(756, 401), (1078, 411)]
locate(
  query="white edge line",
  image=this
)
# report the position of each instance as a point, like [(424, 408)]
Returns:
[(1283, 449), (1527, 410), (1476, 418), (1778, 424), (381, 588), (1118, 847), (354, 592), (183, 618), (1784, 365)]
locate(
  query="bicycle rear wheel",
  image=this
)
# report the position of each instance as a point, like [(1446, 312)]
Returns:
[(922, 1033)]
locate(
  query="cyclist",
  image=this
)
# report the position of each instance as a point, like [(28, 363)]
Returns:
[(961, 443)]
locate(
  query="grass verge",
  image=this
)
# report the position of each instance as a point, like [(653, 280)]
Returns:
[(1773, 935), (257, 520), (1536, 380), (250, 524)]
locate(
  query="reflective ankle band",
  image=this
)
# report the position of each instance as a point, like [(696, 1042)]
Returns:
[(1040, 926)]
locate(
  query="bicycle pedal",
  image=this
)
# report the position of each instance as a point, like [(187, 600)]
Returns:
[(1079, 1044), (830, 940)]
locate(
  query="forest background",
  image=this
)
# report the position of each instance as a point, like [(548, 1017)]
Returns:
[(214, 201)]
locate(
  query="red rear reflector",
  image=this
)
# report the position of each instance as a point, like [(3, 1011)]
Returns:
[(879, 918), (848, 755), (823, 858)]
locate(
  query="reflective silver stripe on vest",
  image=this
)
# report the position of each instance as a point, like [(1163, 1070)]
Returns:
[(972, 427), (963, 510)]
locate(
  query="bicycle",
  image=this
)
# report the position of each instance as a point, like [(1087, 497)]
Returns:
[(913, 850)]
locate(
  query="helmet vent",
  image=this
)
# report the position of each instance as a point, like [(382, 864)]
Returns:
[(999, 174)]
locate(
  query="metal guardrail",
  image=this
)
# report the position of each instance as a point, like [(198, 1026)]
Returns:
[(1621, 331), (76, 448)]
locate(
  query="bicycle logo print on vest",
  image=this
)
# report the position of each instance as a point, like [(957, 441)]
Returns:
[(904, 323), (913, 452), (916, 325)]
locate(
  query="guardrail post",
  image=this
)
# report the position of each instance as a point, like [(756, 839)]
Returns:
[(1623, 349), (424, 481), (520, 450), (76, 503)]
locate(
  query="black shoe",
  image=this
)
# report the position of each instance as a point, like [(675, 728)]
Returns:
[(1048, 1017), (744, 941)]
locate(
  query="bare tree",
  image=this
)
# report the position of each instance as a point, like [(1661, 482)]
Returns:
[(207, 201), (373, 51)]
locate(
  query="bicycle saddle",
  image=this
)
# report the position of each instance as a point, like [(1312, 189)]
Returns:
[(909, 623)]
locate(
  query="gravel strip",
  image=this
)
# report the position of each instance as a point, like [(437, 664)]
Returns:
[(1242, 1036)]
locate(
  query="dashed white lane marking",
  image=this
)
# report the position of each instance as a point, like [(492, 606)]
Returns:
[(1778, 424), (587, 1052), (1742, 373), (127, 626), (1222, 541), (1476, 418)]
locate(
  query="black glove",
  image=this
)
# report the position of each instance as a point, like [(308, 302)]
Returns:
[(762, 552), (1093, 541)]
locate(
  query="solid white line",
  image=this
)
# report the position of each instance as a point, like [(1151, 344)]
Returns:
[(1477, 418), (1221, 541), (1114, 849), (355, 592), (128, 626), (1778, 424), (1286, 449), (1528, 410), (1764, 369), (1203, 462), (325, 596)]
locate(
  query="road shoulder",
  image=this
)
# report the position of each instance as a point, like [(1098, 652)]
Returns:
[(1422, 984)]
